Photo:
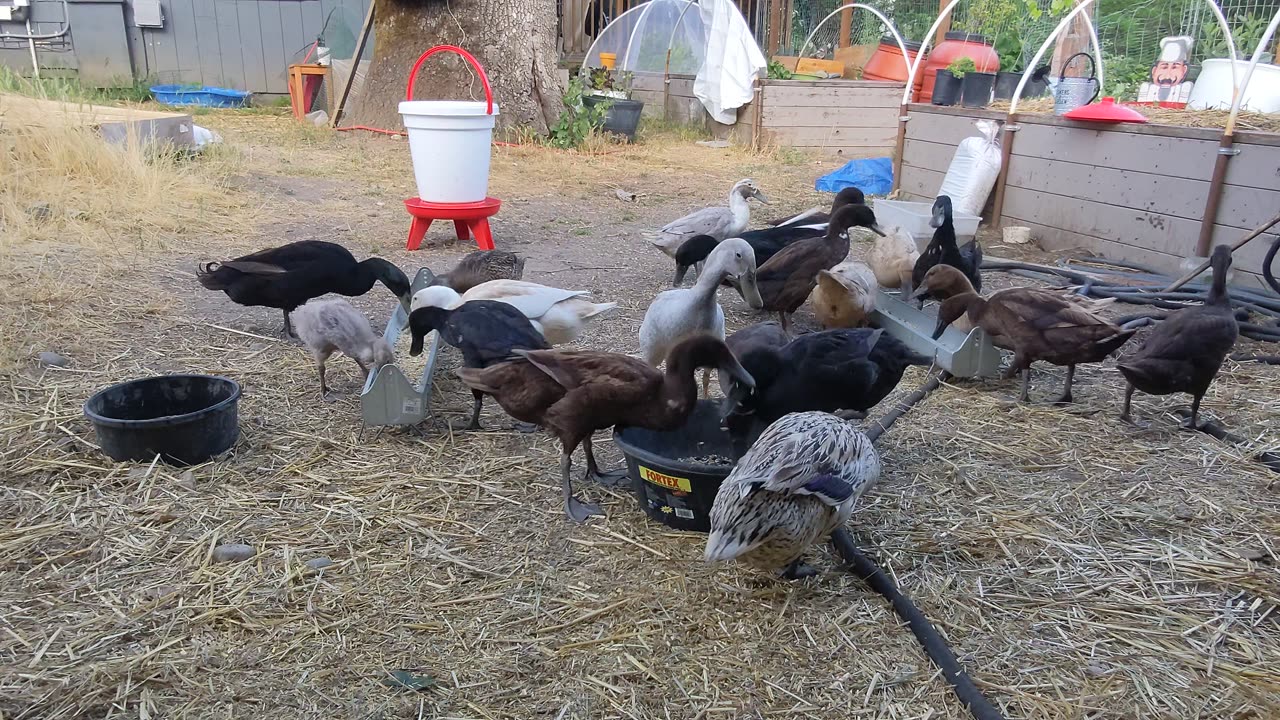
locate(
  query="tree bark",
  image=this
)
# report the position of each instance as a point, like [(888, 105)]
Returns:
[(515, 41)]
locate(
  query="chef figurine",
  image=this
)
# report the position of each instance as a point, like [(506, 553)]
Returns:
[(1169, 82)]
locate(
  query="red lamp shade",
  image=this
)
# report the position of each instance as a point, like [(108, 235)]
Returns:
[(1106, 111)]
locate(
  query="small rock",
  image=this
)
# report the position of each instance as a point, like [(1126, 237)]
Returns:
[(1253, 555), (53, 359), (714, 143), (77, 214), (1095, 668), (233, 552), (624, 195), (380, 204), (318, 563), (187, 480), (40, 211)]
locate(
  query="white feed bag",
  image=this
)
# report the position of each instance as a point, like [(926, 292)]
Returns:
[(973, 170)]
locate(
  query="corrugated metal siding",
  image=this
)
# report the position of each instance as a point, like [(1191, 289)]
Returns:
[(240, 44)]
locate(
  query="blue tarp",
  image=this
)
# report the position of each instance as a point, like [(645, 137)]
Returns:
[(873, 176)]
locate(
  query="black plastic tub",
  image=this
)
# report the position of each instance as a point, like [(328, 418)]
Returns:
[(185, 419), (621, 118), (671, 486)]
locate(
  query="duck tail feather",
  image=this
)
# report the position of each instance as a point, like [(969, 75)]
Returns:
[(723, 546)]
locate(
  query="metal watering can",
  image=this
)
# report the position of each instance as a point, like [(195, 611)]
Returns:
[(1071, 93)]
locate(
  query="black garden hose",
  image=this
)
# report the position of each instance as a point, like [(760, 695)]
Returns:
[(858, 563), (1266, 265)]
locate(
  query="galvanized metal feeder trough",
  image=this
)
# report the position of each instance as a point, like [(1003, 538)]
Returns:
[(962, 354), (388, 397)]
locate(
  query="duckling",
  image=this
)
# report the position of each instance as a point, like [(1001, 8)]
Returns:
[(942, 249), (285, 277), (679, 313), (845, 296), (797, 483), (575, 393), (486, 331), (560, 315), (893, 258), (1036, 324), (818, 215), (481, 266), (767, 242), (718, 222), (767, 334), (829, 371), (1185, 352), (333, 325), (788, 278)]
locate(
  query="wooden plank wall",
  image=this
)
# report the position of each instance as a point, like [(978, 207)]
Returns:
[(1133, 193), (682, 106), (846, 118)]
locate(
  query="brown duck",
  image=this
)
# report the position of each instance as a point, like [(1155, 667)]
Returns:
[(1184, 353), (482, 266), (1035, 323), (787, 279), (574, 393)]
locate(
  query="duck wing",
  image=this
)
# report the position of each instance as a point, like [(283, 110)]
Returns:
[(251, 267), (490, 331), (770, 241), (931, 256), (971, 257), (810, 453), (300, 253), (816, 214), (532, 299), (707, 221)]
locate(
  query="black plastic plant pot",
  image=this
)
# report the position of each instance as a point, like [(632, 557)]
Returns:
[(1006, 83), (622, 117), (185, 419), (975, 89), (946, 88), (672, 472)]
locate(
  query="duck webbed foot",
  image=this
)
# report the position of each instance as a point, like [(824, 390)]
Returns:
[(577, 510), (524, 427), (1065, 398), (798, 570), (613, 478)]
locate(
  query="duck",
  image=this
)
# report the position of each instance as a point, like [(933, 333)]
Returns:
[(1035, 323), (818, 215), (767, 242), (1184, 352), (486, 331), (797, 483), (849, 371), (331, 325), (573, 393), (767, 334), (845, 295), (481, 266), (681, 312), (559, 315), (892, 259), (718, 222), (285, 277), (949, 284), (787, 279), (942, 249)]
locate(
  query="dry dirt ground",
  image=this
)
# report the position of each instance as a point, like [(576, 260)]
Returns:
[(1079, 567)]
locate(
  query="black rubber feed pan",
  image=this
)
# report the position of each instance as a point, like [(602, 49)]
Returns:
[(671, 483), (185, 419)]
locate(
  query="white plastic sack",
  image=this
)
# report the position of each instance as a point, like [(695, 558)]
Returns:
[(726, 80), (973, 170)]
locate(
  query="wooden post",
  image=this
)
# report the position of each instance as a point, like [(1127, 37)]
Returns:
[(846, 25), (775, 26), (1006, 156), (944, 28), (341, 104)]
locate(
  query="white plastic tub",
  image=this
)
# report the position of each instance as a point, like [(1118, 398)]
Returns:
[(914, 218), (1213, 86), (450, 141)]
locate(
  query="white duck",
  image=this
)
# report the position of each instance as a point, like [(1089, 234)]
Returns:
[(560, 315), (718, 222), (845, 295), (797, 483)]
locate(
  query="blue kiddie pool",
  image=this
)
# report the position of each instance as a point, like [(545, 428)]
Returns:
[(206, 96)]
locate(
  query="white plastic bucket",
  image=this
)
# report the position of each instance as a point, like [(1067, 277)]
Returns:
[(450, 141)]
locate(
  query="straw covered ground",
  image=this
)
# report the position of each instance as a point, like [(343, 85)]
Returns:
[(1079, 567)]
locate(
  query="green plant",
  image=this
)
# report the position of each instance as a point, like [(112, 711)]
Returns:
[(609, 79), (778, 71), (962, 66), (1057, 8), (1009, 48), (1247, 30), (1124, 73), (578, 121)]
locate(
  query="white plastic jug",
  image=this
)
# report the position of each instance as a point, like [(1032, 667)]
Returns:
[(450, 141)]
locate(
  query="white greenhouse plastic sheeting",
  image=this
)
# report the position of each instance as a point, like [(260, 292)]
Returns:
[(708, 39)]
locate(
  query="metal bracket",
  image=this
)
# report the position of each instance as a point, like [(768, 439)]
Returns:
[(1229, 151)]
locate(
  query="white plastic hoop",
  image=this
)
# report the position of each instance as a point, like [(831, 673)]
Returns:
[(887, 23)]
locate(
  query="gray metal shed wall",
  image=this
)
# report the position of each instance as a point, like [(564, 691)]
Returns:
[(240, 44)]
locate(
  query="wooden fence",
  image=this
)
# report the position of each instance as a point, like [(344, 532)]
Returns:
[(1127, 192)]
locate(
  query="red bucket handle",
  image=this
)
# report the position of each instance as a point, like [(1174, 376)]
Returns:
[(484, 79)]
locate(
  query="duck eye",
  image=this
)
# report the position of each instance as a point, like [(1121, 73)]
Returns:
[(738, 255)]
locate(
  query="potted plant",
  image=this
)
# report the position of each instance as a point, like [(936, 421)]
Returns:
[(946, 89), (611, 89), (975, 86)]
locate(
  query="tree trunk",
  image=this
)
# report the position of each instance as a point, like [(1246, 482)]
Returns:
[(515, 41)]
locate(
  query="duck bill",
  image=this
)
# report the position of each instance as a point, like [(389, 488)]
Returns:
[(737, 394), (749, 290), (920, 293), (876, 229), (761, 197), (941, 328), (939, 216), (415, 348), (681, 270)]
